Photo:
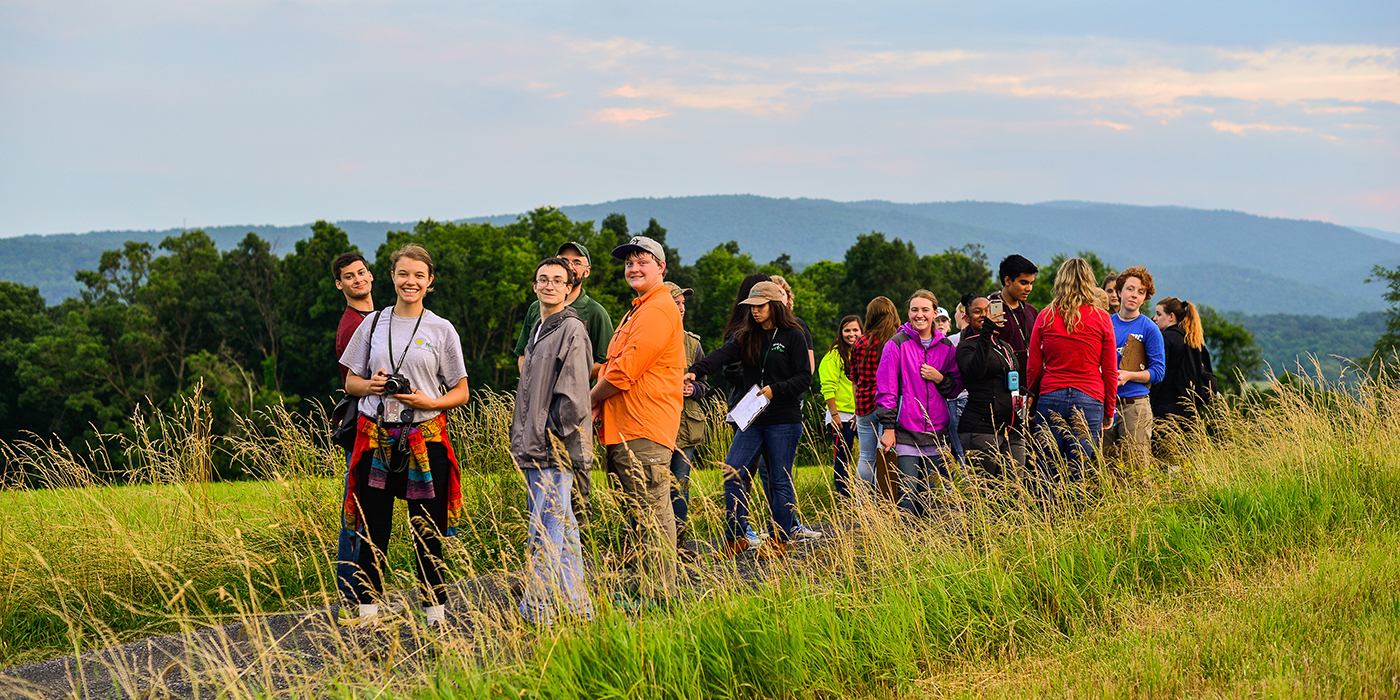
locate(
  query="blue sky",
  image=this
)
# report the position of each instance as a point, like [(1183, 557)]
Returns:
[(150, 114)]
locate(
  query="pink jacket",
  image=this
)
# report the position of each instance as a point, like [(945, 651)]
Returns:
[(917, 409)]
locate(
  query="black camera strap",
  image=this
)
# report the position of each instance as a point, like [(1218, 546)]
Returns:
[(403, 355)]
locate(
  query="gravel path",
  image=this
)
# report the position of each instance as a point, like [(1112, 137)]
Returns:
[(271, 650)]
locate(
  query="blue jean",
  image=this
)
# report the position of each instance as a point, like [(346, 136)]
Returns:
[(955, 409), (868, 433), (918, 476), (1067, 428), (555, 573), (842, 435), (778, 445), (681, 462)]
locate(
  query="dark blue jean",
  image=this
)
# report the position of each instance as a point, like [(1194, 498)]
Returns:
[(681, 462), (1073, 420), (778, 446), (842, 435)]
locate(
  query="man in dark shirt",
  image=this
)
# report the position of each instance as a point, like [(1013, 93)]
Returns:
[(354, 280), (1017, 275), (595, 318)]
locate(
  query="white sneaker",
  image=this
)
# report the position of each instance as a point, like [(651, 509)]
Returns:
[(806, 533)]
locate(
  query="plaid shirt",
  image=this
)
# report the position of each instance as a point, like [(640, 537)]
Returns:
[(865, 359)]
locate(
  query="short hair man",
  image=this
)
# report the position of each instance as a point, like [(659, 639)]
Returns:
[(355, 281), (1017, 277), (1142, 362), (551, 439), (692, 432), (595, 318), (639, 400)]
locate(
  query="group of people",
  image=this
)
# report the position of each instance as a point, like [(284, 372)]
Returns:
[(1010, 382), (1090, 373)]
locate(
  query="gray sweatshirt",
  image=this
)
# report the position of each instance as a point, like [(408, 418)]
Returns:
[(553, 424)]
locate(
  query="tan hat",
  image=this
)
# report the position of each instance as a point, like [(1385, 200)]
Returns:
[(676, 290), (764, 292)]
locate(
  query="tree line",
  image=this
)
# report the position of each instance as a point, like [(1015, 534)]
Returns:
[(247, 329)]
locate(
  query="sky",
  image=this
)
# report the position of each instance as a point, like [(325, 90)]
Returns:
[(153, 114)]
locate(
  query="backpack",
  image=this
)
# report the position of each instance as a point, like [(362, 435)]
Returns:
[(1202, 382)]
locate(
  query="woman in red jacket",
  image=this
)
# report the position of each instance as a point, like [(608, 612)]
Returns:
[(1074, 366)]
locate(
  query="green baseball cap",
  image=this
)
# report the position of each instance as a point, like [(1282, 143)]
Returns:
[(582, 250)]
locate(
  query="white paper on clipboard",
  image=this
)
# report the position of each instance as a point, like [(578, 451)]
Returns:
[(749, 407)]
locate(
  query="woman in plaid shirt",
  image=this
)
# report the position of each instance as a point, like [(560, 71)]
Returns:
[(881, 322)]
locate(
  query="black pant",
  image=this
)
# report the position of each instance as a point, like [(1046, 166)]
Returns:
[(425, 518)]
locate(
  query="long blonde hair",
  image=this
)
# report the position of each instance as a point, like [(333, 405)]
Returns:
[(1075, 286)]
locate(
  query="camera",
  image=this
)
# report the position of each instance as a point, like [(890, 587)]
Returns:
[(397, 384)]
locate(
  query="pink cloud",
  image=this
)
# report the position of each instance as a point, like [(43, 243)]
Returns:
[(624, 115)]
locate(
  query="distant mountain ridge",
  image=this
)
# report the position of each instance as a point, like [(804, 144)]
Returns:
[(1226, 259)]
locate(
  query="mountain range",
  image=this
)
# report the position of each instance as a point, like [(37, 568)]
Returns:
[(1226, 259)]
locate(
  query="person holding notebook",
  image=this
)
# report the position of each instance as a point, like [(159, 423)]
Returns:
[(1141, 363)]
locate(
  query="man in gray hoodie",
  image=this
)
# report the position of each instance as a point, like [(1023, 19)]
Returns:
[(551, 436)]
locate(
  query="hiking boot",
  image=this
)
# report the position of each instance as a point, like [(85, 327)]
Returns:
[(772, 549), (735, 548)]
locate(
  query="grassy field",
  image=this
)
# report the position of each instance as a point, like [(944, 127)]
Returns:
[(1264, 564)]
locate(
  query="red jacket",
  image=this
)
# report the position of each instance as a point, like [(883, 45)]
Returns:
[(1086, 360)]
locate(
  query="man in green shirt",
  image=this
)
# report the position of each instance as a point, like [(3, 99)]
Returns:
[(595, 317)]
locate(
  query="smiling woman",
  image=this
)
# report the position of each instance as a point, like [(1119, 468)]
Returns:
[(404, 452)]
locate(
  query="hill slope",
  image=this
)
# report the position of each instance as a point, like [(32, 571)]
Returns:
[(1226, 259)]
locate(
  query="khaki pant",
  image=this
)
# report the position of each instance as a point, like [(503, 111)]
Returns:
[(640, 470), (1130, 438)]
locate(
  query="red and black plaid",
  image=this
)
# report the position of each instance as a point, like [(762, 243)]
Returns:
[(865, 359)]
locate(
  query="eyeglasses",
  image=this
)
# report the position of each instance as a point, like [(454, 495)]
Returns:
[(578, 262), (545, 282)]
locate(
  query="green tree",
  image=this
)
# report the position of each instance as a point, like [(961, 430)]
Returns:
[(183, 295), (481, 284), (1384, 353), (120, 274), (309, 311), (718, 274), (23, 317), (1235, 356), (875, 267), (957, 271), (250, 314), (1044, 289)]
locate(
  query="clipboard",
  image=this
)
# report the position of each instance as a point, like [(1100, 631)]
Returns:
[(749, 407), (1134, 356)]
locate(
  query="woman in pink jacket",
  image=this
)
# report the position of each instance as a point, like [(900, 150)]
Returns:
[(918, 373)]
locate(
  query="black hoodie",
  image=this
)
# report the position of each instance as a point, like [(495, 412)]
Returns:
[(788, 371)]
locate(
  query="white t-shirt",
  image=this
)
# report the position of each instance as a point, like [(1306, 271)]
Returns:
[(433, 358)]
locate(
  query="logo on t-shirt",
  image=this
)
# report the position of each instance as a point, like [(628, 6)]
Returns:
[(779, 347)]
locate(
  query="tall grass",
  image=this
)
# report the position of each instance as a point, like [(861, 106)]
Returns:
[(886, 607)]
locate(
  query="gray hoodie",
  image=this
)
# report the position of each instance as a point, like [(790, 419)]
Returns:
[(553, 424)]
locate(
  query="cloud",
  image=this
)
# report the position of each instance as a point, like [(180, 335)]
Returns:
[(624, 115), (1112, 125), (1244, 128), (1101, 73)]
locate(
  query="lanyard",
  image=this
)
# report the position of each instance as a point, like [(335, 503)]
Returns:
[(763, 369), (404, 354)]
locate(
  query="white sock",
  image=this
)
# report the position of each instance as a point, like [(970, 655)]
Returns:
[(369, 610), (437, 614)]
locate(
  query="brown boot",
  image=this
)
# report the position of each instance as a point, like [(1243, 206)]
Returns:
[(735, 548), (772, 549)]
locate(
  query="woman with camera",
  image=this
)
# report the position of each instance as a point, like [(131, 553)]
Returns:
[(400, 361)]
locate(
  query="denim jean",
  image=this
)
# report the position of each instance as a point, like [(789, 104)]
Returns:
[(841, 435), (1067, 428), (682, 461), (955, 409), (918, 476), (867, 432), (555, 573), (778, 445)]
